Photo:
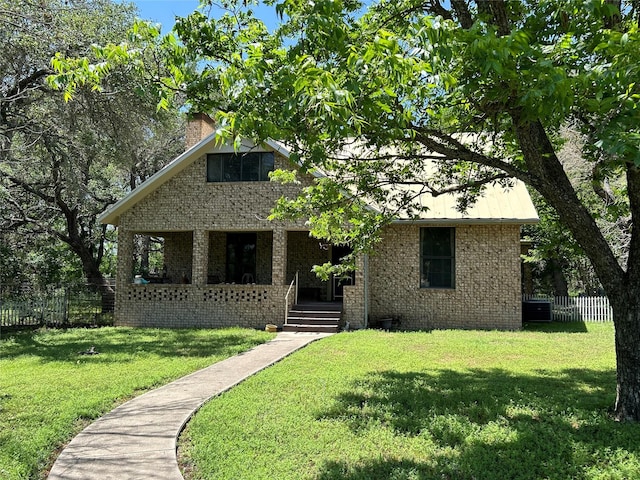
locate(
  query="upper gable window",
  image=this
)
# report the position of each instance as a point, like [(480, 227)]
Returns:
[(239, 167)]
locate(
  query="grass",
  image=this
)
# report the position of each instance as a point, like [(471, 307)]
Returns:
[(533, 404), (49, 391)]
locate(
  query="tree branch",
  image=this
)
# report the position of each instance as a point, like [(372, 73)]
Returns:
[(461, 10), (30, 189), (453, 149), (435, 192), (26, 82)]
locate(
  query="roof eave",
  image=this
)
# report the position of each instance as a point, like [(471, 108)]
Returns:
[(468, 221)]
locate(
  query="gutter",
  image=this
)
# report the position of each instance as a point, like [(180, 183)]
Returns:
[(466, 221)]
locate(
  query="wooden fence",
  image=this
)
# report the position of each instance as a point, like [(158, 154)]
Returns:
[(33, 311), (61, 307), (577, 309)]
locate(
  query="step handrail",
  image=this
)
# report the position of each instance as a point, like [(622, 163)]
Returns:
[(293, 286)]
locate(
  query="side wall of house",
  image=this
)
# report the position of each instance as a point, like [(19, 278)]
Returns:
[(487, 280)]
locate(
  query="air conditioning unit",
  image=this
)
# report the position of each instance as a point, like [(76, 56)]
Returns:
[(536, 311)]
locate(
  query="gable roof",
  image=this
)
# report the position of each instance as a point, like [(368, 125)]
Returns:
[(207, 145), (496, 205)]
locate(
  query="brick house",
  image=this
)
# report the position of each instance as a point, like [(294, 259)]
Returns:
[(224, 264)]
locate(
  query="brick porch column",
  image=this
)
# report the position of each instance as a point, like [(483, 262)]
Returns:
[(279, 257), (124, 274), (200, 257)]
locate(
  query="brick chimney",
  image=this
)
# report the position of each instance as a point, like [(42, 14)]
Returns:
[(199, 126)]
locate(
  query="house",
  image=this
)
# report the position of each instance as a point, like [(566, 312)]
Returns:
[(223, 263)]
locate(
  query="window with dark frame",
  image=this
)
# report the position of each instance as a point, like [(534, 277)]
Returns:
[(437, 257), (239, 167)]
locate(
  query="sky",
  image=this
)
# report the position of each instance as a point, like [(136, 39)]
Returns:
[(165, 11)]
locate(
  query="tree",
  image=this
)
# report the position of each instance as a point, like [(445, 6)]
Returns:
[(559, 264), (481, 87), (63, 163), (34, 261)]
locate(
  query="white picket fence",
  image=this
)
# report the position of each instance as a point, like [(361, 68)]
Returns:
[(69, 305), (577, 309), (39, 310)]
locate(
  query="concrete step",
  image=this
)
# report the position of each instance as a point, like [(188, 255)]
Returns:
[(314, 317), (318, 306), (314, 314), (310, 328), (313, 320)]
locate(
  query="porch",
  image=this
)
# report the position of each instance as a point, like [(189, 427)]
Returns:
[(219, 278)]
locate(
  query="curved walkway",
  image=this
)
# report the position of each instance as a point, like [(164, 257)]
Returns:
[(137, 440)]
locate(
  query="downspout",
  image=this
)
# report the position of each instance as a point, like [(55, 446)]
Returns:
[(365, 274)]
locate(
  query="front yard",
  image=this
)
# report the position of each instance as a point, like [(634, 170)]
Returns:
[(442, 405), (360, 405), (50, 387)]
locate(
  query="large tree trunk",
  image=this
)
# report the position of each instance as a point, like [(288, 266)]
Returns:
[(79, 240), (626, 316), (622, 287), (558, 278), (89, 259), (96, 280)]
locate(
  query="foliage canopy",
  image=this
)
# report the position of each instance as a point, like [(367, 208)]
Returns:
[(481, 86), (62, 163)]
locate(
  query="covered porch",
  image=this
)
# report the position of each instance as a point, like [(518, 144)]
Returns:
[(217, 278), (303, 252)]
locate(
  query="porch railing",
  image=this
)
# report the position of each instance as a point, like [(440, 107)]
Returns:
[(293, 288)]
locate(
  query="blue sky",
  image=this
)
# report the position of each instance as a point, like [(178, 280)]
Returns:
[(164, 11)]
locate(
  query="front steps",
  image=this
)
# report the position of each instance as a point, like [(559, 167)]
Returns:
[(314, 317)]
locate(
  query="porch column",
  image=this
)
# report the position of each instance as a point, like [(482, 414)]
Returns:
[(200, 257), (124, 274), (356, 297), (279, 257)]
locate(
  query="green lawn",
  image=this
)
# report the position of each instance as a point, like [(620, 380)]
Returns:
[(48, 391), (442, 405)]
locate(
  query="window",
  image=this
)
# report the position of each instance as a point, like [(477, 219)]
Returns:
[(239, 167), (241, 257), (437, 257)]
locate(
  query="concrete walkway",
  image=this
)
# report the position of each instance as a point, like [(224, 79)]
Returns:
[(137, 440)]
